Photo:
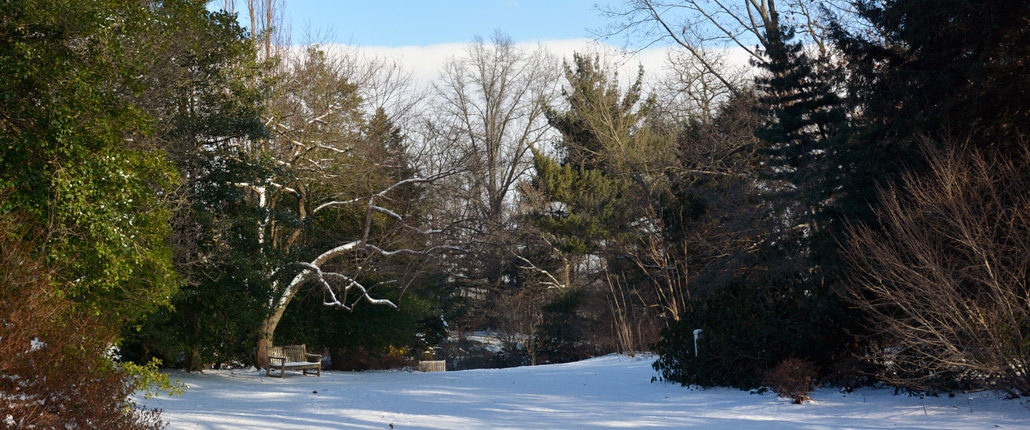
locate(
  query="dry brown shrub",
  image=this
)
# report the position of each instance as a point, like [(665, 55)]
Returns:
[(792, 379), (53, 370), (849, 373)]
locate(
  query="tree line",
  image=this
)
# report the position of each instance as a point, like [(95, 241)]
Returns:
[(193, 191)]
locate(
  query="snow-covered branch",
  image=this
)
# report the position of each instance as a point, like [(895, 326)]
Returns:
[(427, 251), (554, 282), (335, 203), (316, 264)]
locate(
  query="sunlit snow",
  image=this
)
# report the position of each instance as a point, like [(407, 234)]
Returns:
[(612, 392)]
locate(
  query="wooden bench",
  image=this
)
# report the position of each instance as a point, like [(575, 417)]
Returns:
[(292, 357)]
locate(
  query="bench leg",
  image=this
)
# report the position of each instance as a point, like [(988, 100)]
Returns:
[(282, 372)]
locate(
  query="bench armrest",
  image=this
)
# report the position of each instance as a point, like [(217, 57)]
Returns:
[(313, 358), (272, 358)]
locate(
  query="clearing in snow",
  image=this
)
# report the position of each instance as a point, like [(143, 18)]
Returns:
[(601, 393)]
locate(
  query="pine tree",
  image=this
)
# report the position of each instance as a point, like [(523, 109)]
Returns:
[(803, 138), (598, 200), (607, 160), (939, 69), (779, 299)]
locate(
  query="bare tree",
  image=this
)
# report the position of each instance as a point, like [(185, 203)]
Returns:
[(267, 26), (691, 91), (697, 24), (382, 83), (700, 26), (945, 281), (519, 315), (492, 100)]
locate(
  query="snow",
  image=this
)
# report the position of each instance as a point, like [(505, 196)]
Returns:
[(489, 340), (35, 344), (611, 392)]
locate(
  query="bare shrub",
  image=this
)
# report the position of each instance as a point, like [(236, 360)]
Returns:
[(792, 379), (944, 278), (519, 315), (53, 369)]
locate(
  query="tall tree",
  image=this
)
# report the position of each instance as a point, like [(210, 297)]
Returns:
[(204, 91), (342, 195), (595, 204), (779, 297), (804, 138), (71, 154), (605, 154), (947, 70), (493, 99), (490, 116)]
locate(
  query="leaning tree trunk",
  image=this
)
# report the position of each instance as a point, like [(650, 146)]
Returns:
[(267, 331), (312, 271)]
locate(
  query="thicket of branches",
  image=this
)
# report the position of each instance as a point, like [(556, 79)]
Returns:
[(944, 280)]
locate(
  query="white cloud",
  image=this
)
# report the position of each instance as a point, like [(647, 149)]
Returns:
[(426, 62)]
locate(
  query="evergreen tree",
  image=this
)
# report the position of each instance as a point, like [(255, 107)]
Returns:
[(609, 162), (952, 70), (599, 200), (72, 151), (778, 300), (804, 138), (805, 143), (938, 69)]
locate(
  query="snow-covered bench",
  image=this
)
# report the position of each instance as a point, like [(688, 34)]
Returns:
[(292, 357)]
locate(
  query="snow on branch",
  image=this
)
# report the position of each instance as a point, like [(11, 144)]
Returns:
[(427, 251), (333, 203), (371, 199), (351, 283), (554, 282), (316, 265), (391, 213)]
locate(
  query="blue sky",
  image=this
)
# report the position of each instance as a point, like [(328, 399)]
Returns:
[(422, 35), (428, 22)]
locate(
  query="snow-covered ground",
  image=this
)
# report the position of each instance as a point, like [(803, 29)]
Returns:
[(602, 393)]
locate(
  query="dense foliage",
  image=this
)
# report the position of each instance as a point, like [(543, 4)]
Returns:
[(105, 105), (72, 152)]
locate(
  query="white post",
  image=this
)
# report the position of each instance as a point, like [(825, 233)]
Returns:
[(697, 335)]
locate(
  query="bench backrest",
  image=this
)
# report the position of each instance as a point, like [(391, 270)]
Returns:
[(293, 353)]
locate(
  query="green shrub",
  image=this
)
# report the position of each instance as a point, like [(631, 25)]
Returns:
[(747, 328)]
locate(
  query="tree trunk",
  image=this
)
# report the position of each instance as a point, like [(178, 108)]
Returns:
[(193, 362), (265, 339), (261, 351)]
